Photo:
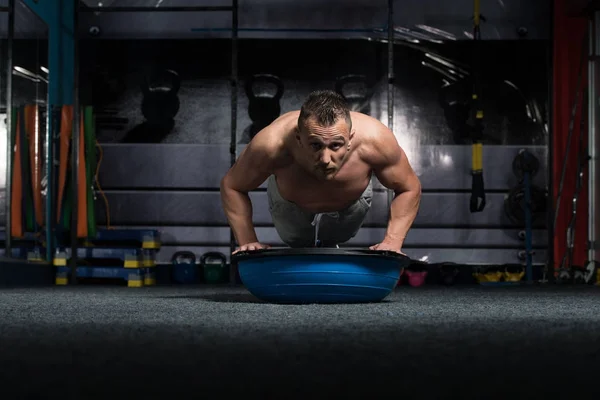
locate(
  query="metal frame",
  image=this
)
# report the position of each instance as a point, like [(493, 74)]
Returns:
[(75, 151), (84, 8), (49, 150), (549, 268), (9, 122), (9, 150), (594, 52)]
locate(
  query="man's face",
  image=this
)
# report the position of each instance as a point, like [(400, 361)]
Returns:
[(325, 148)]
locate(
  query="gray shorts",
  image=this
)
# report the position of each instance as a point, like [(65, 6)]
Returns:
[(299, 228)]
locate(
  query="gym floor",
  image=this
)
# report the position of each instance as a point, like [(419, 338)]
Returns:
[(97, 342)]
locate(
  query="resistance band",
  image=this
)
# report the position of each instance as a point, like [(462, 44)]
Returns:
[(66, 126), (36, 161), (26, 196), (477, 203), (65, 190), (82, 186)]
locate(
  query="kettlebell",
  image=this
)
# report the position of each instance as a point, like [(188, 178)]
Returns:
[(263, 108), (161, 104), (493, 276), (488, 275), (448, 272), (184, 267), (214, 267), (513, 273), (416, 278), (358, 100)]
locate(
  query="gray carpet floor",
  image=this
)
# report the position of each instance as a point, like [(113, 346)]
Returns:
[(88, 342)]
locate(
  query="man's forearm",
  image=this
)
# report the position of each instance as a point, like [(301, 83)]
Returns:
[(404, 210), (238, 209)]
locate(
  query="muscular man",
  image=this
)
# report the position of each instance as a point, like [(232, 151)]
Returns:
[(319, 162)]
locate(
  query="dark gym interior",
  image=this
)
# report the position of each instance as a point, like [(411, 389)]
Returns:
[(116, 267)]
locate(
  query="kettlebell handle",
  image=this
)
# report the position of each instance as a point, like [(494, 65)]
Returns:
[(353, 78), (185, 254), (213, 254), (269, 78), (174, 78)]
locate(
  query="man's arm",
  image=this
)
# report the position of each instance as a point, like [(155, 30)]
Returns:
[(252, 168), (393, 170)]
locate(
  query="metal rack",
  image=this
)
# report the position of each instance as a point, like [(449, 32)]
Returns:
[(82, 8), (9, 67), (10, 9), (593, 71), (233, 8)]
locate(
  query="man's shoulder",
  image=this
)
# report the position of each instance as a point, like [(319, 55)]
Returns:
[(371, 128), (274, 139), (377, 141), (280, 130)]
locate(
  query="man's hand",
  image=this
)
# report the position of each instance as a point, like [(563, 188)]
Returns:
[(387, 246), (252, 247)]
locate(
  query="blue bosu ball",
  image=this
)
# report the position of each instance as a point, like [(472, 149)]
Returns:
[(320, 275)]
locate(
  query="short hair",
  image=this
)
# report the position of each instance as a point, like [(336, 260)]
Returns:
[(326, 106)]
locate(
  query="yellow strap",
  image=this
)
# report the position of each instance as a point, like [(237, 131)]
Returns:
[(477, 157), (476, 12)]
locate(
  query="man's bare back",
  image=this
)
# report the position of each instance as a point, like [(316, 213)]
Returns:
[(321, 160)]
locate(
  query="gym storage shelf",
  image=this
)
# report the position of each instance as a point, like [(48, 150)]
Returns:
[(30, 247), (135, 277), (130, 257), (134, 249), (136, 266), (144, 238), (128, 254)]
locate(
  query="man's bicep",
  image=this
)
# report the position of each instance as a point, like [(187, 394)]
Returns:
[(395, 172)]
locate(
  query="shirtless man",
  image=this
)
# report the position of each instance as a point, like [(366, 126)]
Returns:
[(318, 162)]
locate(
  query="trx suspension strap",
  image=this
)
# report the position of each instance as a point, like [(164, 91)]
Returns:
[(477, 203)]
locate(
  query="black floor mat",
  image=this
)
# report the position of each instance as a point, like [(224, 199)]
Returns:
[(89, 342)]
